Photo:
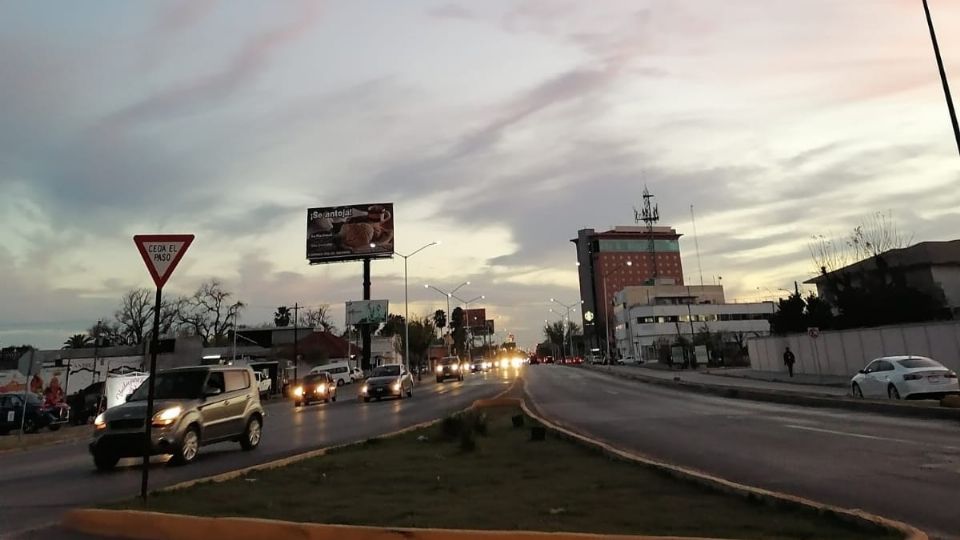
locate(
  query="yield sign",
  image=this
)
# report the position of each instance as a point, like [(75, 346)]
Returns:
[(161, 253)]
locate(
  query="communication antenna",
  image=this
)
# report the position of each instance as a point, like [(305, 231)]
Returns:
[(649, 214), (696, 244)]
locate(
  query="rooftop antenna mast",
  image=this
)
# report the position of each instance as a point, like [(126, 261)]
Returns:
[(696, 243), (649, 214)]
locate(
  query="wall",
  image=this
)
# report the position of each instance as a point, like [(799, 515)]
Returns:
[(843, 352)]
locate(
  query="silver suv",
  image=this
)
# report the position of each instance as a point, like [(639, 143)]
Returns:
[(193, 406)]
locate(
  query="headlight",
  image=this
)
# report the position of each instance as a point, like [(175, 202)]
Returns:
[(516, 362), (396, 386), (99, 422), (167, 416), (439, 369), (454, 367), (363, 389), (298, 391), (322, 389), (332, 387)]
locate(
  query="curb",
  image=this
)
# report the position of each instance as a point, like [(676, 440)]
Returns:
[(136, 525), (720, 484), (796, 398)]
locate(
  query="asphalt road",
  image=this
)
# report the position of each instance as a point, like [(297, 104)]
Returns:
[(905, 469), (37, 486)]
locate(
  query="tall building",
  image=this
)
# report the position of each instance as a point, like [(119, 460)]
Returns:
[(623, 256)]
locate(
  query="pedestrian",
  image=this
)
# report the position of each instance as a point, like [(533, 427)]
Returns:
[(789, 359)]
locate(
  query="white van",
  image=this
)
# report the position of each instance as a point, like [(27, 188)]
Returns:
[(340, 371)]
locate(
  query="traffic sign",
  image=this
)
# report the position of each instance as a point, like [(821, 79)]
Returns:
[(813, 332), (161, 253)]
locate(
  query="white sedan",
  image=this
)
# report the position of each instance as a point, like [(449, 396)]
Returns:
[(904, 377)]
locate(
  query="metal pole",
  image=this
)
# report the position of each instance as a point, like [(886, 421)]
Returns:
[(365, 328), (406, 317), (26, 388), (606, 318), (296, 347), (151, 387), (943, 75)]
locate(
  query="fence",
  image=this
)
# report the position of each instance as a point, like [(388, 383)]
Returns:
[(843, 352)]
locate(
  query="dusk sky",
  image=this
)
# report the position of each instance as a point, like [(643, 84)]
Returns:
[(498, 127)]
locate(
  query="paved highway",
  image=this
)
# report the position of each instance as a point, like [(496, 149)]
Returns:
[(906, 469), (37, 486)]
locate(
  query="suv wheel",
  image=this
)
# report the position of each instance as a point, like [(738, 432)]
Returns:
[(189, 447), (251, 435), (104, 461)]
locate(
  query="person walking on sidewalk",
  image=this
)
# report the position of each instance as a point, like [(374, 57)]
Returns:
[(789, 359)]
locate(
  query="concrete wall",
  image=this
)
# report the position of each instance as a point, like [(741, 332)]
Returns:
[(843, 352)]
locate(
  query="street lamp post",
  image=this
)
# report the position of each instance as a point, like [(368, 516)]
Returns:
[(406, 303), (566, 329), (943, 75), (466, 310), (606, 313), (448, 295)]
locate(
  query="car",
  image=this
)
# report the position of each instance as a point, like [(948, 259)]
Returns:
[(340, 371), (356, 374), (904, 377), (193, 407), (37, 414), (87, 403), (449, 368), (315, 387), (391, 380), (264, 383), (480, 365)]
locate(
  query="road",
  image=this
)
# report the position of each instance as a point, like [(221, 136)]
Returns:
[(905, 469), (38, 486)]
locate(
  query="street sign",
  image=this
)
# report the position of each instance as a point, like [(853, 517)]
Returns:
[(162, 253), (813, 332)]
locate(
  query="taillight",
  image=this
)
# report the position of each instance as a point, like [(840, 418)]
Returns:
[(912, 377), (949, 375)]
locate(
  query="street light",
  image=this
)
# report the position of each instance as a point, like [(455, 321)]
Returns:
[(406, 303), (466, 310), (566, 336), (447, 294), (606, 317), (943, 75)]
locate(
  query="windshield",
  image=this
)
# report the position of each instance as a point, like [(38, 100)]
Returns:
[(912, 363), (315, 378), (386, 371), (173, 385), (448, 361)]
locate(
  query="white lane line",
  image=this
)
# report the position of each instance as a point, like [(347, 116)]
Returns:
[(612, 392), (871, 437)]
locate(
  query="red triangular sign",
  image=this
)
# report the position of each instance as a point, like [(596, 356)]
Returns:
[(161, 253)]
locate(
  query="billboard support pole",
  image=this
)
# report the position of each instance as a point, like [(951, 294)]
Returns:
[(151, 385), (365, 328)]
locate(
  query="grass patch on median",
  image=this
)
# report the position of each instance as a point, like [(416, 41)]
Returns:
[(44, 437), (483, 473)]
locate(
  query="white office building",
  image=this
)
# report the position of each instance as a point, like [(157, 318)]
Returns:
[(646, 315)]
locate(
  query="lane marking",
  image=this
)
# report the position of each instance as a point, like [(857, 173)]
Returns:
[(870, 437), (612, 393)]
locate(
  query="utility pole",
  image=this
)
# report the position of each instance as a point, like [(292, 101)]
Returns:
[(296, 346), (943, 75), (365, 327)]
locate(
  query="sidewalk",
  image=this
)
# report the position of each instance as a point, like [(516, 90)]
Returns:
[(841, 381), (732, 380)]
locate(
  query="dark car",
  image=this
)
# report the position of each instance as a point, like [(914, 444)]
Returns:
[(38, 414), (193, 407), (392, 380), (86, 404), (449, 368), (315, 387)]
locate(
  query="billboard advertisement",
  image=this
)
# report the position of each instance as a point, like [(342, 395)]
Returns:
[(477, 318), (366, 312), (349, 233)]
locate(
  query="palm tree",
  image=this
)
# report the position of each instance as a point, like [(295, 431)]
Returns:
[(440, 319), (77, 341), (282, 317)]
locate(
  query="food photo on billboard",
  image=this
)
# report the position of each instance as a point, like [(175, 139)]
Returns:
[(351, 232)]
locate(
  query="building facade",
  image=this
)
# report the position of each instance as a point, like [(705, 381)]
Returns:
[(646, 315), (621, 257)]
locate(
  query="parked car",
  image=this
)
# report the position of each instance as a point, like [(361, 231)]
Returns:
[(194, 407), (315, 387), (392, 380), (904, 377), (449, 368), (36, 416), (264, 383), (340, 371), (86, 404), (356, 374)]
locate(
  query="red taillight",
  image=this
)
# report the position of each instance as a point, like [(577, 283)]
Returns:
[(912, 377)]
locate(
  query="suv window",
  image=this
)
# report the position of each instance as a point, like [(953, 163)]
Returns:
[(216, 381), (173, 385), (236, 380)]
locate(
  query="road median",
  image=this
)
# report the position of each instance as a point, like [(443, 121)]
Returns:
[(798, 397)]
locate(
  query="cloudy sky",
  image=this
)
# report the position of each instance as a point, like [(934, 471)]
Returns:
[(498, 127)]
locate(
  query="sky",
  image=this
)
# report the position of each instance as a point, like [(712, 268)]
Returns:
[(499, 128)]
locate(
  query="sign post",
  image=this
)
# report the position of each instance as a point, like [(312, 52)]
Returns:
[(161, 253), (814, 334)]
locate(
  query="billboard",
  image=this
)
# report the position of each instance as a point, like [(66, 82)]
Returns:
[(477, 318), (349, 233), (366, 312)]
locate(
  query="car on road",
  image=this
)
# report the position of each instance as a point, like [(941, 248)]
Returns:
[(264, 383), (904, 377), (356, 374), (391, 380), (193, 407), (480, 365), (449, 368), (35, 416), (315, 387), (340, 371)]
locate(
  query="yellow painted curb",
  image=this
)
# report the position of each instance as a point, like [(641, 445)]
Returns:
[(136, 525), (910, 532)]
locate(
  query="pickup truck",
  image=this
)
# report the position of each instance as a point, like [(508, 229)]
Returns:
[(264, 383)]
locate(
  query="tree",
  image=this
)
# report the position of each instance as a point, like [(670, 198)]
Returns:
[(553, 332), (105, 334), (421, 337), (393, 326), (77, 341), (457, 317), (134, 316), (210, 313), (282, 316), (318, 317), (440, 319), (818, 312), (789, 317), (876, 234)]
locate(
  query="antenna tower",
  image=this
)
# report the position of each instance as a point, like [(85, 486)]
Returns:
[(649, 214)]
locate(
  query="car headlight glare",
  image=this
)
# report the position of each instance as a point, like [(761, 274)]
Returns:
[(167, 416), (439, 369), (99, 422), (298, 391), (363, 389), (396, 386), (454, 367)]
